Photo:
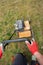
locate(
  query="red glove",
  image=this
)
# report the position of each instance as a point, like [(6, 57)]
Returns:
[(1, 50), (33, 47)]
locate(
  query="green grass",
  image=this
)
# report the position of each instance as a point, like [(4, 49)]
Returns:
[(10, 11)]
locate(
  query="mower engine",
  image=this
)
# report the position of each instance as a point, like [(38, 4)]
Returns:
[(23, 28)]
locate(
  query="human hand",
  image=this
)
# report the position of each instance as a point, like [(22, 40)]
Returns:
[(1, 50), (33, 47)]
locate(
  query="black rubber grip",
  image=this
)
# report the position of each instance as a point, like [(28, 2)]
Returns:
[(15, 40)]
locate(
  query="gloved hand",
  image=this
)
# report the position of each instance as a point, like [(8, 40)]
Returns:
[(33, 47), (1, 50)]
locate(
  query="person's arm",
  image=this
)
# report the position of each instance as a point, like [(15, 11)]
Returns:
[(33, 48), (39, 57)]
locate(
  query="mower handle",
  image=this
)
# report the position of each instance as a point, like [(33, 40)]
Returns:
[(5, 43), (15, 40)]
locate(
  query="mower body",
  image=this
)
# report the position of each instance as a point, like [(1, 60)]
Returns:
[(23, 29)]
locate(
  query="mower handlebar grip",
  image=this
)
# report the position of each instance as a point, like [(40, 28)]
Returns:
[(15, 40)]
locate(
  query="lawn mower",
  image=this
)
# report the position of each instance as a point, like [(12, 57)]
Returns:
[(23, 30)]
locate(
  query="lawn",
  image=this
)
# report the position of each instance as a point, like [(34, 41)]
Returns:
[(10, 11)]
